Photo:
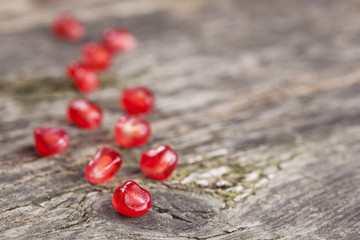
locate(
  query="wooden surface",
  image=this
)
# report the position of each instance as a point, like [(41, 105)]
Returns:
[(261, 98)]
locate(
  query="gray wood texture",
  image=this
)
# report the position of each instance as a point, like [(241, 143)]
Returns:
[(261, 98)]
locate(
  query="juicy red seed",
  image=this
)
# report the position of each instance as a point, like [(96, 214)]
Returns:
[(84, 113), (103, 166), (131, 200), (119, 40), (72, 70), (68, 28), (88, 83), (51, 140), (132, 131), (96, 56), (85, 79), (159, 162), (137, 100)]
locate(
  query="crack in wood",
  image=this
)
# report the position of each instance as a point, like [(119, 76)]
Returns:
[(84, 219)]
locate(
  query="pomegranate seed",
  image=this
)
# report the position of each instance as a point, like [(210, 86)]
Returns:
[(137, 100), (96, 56), (68, 28), (131, 200), (84, 78), (159, 162), (132, 131), (51, 140), (73, 69), (118, 40), (103, 166), (84, 113)]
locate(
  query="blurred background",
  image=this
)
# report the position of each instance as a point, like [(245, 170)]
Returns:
[(260, 98)]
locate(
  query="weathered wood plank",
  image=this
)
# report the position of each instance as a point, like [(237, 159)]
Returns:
[(260, 98)]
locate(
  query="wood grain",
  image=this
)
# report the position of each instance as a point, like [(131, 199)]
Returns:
[(260, 98)]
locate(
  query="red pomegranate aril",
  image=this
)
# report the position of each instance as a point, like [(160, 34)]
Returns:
[(68, 28), (131, 200), (132, 131), (103, 166), (51, 140), (137, 100), (96, 56), (85, 79), (73, 69), (119, 40), (84, 113), (159, 163)]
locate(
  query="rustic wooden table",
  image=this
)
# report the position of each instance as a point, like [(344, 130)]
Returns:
[(260, 98)]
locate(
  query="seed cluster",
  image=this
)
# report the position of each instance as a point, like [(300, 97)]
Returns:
[(131, 130)]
